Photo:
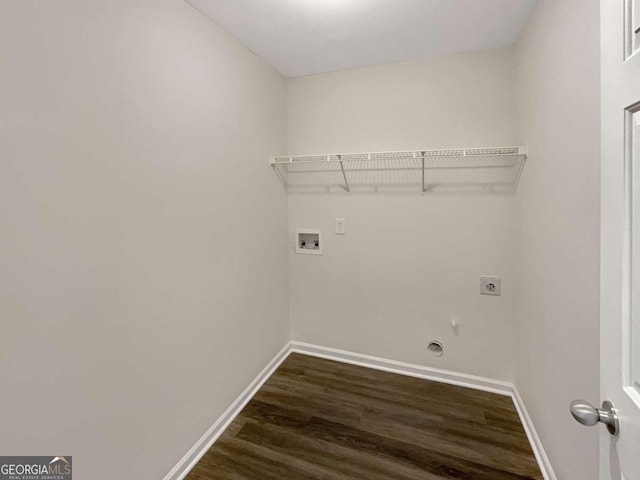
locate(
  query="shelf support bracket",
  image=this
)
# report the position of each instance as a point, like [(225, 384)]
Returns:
[(344, 175), (280, 176), (423, 186)]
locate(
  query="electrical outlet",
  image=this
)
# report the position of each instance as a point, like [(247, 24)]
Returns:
[(341, 226), (490, 285)]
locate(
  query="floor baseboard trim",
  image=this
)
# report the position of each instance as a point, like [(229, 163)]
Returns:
[(184, 466), (402, 368), (532, 435), (419, 371)]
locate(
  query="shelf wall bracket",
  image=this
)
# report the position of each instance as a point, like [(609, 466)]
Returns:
[(423, 186), (344, 175), (280, 175)]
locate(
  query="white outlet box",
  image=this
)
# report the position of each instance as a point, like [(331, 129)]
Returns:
[(489, 285), (341, 226)]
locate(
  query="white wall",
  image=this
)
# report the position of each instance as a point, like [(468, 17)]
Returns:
[(409, 263), (143, 261), (558, 296)]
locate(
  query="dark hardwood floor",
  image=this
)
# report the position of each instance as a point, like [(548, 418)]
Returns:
[(319, 419)]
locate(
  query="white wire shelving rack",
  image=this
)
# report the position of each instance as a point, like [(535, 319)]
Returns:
[(467, 169)]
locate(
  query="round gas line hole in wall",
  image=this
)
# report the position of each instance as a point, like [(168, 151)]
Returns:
[(435, 348)]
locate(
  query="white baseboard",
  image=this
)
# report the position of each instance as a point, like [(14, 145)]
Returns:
[(532, 435), (196, 452), (408, 369), (419, 371)]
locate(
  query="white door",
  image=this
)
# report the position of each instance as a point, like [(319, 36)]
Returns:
[(620, 255)]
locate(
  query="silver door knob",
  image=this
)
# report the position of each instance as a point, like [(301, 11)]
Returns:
[(588, 415)]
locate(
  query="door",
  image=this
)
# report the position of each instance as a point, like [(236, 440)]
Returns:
[(620, 254)]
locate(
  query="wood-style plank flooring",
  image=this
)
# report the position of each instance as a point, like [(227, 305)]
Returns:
[(320, 419)]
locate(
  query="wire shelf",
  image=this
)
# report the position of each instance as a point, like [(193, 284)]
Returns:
[(468, 169)]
